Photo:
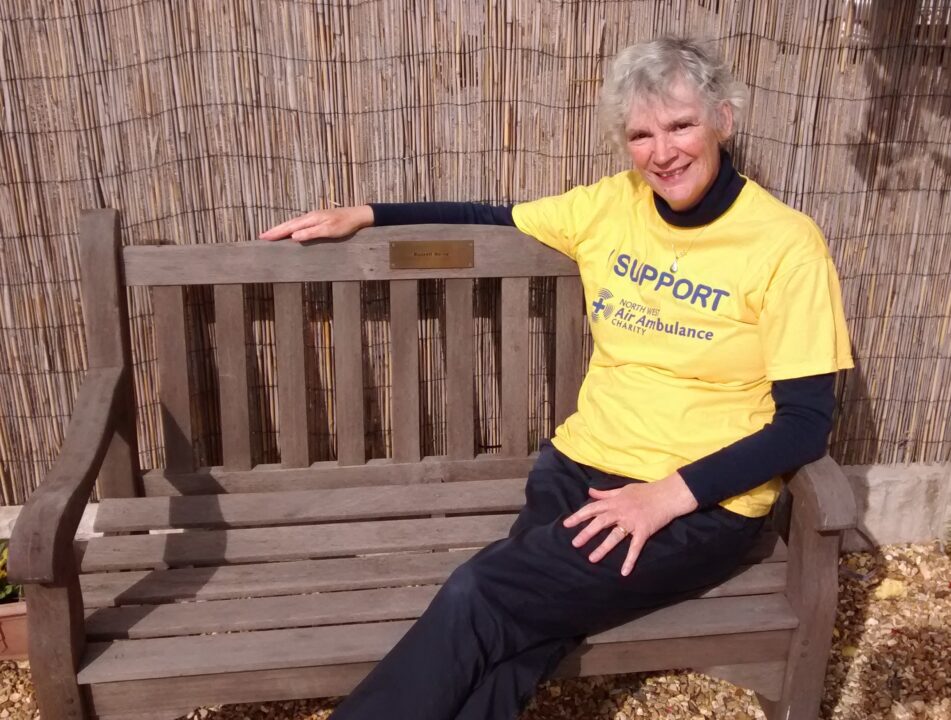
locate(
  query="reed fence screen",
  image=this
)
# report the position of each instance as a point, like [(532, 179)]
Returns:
[(207, 121)]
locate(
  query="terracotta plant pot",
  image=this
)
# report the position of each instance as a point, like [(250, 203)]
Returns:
[(13, 630)]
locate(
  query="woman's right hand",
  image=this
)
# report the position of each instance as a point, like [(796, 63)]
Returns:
[(330, 223)]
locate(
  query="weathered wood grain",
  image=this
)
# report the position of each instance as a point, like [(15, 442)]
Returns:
[(269, 578), (515, 366), (277, 610), (826, 494), (172, 355), (233, 377), (812, 589), (499, 252), (379, 471), (568, 339), (108, 344), (328, 575), (56, 640), (334, 680), (310, 506), (404, 359), (214, 547), (348, 374), (291, 374), (41, 542), (460, 388), (366, 642)]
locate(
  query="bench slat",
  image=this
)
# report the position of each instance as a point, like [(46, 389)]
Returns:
[(268, 477), (348, 374), (194, 618), (515, 366), (232, 358), (568, 337), (295, 542), (460, 349), (176, 657), (404, 356), (270, 649), (291, 374), (612, 658), (306, 506), (306, 576), (119, 700), (333, 608), (171, 351), (264, 579), (499, 252), (708, 616)]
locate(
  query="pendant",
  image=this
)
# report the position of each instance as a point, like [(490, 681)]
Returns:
[(673, 267)]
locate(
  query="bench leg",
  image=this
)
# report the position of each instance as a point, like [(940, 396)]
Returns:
[(764, 678), (56, 638), (812, 589)]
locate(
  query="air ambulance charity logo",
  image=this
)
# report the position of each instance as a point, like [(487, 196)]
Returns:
[(602, 308)]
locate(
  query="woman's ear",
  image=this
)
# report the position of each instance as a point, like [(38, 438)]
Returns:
[(725, 121)]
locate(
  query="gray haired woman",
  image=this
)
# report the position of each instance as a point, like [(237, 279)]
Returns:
[(718, 328)]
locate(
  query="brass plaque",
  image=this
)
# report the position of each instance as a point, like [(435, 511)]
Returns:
[(431, 254)]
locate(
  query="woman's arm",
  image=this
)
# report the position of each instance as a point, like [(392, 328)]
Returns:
[(450, 213), (329, 223), (340, 222), (797, 435)]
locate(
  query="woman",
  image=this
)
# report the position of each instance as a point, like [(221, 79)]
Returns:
[(717, 324)]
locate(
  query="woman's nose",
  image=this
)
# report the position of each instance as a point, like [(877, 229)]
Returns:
[(663, 150)]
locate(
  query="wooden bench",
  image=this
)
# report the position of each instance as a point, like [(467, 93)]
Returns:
[(291, 580)]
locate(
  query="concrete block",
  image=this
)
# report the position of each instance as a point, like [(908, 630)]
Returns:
[(899, 503), (8, 516)]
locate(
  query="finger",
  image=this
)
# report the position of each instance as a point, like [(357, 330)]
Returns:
[(585, 512), (286, 228), (590, 530), (603, 494), (610, 542), (272, 234), (311, 233), (633, 552)]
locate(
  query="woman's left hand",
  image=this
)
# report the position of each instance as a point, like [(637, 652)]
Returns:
[(636, 509)]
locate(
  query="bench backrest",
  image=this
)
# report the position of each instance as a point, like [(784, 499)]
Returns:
[(400, 256)]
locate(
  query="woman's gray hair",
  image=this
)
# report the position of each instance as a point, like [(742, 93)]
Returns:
[(650, 70)]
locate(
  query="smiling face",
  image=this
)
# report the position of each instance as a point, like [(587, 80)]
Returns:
[(675, 144)]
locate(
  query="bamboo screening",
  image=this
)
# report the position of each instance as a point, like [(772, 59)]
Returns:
[(208, 121)]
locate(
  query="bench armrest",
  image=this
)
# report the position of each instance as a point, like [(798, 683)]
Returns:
[(42, 537), (826, 496)]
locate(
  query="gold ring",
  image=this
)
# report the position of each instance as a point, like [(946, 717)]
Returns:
[(623, 529)]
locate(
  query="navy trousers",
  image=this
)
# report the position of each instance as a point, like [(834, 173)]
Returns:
[(505, 619)]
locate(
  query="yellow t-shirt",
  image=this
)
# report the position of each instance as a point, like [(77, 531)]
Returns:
[(684, 361)]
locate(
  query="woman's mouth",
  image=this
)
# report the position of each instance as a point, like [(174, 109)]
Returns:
[(670, 175)]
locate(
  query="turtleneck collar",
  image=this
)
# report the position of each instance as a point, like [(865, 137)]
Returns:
[(721, 195)]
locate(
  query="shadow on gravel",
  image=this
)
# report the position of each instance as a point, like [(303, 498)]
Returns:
[(904, 673)]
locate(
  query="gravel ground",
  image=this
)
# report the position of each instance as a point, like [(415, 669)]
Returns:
[(891, 660)]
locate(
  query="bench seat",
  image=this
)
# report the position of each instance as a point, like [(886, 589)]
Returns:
[(760, 655), (343, 641), (307, 582)]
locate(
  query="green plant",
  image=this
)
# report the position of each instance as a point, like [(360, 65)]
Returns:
[(8, 592)]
